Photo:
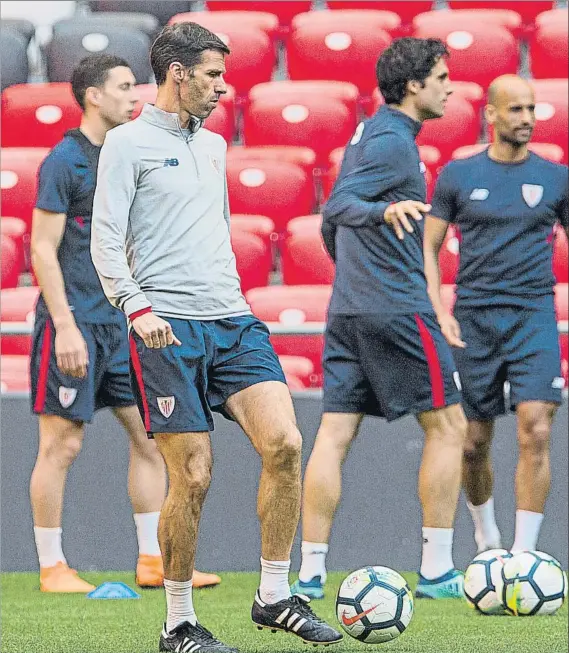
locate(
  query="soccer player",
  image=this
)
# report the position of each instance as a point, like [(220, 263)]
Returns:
[(384, 352), (506, 203), (162, 249), (80, 353)]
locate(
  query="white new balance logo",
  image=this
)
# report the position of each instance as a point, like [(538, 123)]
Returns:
[(479, 194), (187, 646), (295, 621)]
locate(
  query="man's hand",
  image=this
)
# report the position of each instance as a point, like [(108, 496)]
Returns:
[(396, 215), (451, 330), (71, 351), (155, 331)]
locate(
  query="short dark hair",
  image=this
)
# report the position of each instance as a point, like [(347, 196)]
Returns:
[(183, 42), (93, 71), (405, 60)]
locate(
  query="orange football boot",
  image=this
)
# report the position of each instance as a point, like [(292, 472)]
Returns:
[(150, 573), (60, 578)]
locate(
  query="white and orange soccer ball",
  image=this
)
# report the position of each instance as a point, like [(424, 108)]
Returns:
[(374, 605)]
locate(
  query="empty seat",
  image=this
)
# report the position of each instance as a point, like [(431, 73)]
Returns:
[(560, 257), (325, 46), (449, 257), (528, 9), (14, 374), (546, 150), (459, 126), (564, 345), (304, 258), (285, 11), (254, 260), (291, 307), (259, 225), (163, 10), (548, 50), (405, 10), (25, 28), (562, 301), (38, 115), (277, 189), (479, 52), (551, 112), (143, 22), (460, 19), (301, 156), (448, 296), (18, 305), (14, 67), (224, 21), (18, 180), (10, 260), (300, 368), (309, 120), (74, 40), (552, 17), (17, 231)]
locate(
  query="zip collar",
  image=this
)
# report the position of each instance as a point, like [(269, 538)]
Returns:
[(168, 121)]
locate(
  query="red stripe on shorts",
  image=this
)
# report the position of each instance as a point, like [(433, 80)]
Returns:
[(45, 357), (435, 372), (134, 357)]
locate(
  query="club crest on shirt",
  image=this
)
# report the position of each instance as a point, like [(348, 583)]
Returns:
[(67, 396), (166, 405), (215, 163), (532, 194)]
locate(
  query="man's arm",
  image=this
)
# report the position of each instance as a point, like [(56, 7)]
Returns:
[(435, 231), (563, 211), (384, 164)]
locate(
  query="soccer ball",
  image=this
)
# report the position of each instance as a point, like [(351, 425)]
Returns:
[(374, 605), (483, 581), (533, 583)]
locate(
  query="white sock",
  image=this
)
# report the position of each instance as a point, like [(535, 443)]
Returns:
[(179, 602), (486, 533), (437, 552), (274, 585), (48, 545), (147, 533), (313, 561), (527, 530)]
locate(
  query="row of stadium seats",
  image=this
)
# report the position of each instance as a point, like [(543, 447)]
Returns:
[(321, 115), (288, 306), (320, 45)]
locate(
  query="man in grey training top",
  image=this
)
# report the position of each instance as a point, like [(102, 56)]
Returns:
[(161, 247)]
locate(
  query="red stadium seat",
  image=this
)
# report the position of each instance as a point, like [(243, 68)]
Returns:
[(479, 52), (463, 18), (304, 257), (277, 189), (254, 260), (546, 150), (528, 9), (449, 258), (285, 11), (325, 45), (448, 296), (18, 180), (292, 306), (300, 368), (10, 260), (17, 231), (405, 10), (338, 21), (259, 225), (310, 120), (562, 301), (221, 21), (548, 50), (551, 112), (564, 344), (14, 374), (552, 17), (459, 126), (17, 305), (301, 156), (561, 257), (38, 115)]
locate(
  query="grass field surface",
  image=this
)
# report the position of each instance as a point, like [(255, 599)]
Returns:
[(33, 622)]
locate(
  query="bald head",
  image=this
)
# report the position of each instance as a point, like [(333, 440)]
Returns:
[(508, 89)]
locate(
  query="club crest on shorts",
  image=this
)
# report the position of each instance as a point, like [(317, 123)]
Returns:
[(67, 396), (532, 194), (166, 405)]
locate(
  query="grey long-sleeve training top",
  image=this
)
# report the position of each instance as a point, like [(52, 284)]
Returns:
[(160, 230)]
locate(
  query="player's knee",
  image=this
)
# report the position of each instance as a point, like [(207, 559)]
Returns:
[(534, 437), (191, 476), (282, 449), (476, 450), (64, 449)]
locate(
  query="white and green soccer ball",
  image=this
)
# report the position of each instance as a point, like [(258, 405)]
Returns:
[(374, 605), (483, 581), (533, 583)]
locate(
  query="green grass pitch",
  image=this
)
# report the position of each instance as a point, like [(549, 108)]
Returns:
[(33, 622)]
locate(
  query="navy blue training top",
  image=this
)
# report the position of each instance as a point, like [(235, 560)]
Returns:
[(375, 271), (506, 214), (66, 184)]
